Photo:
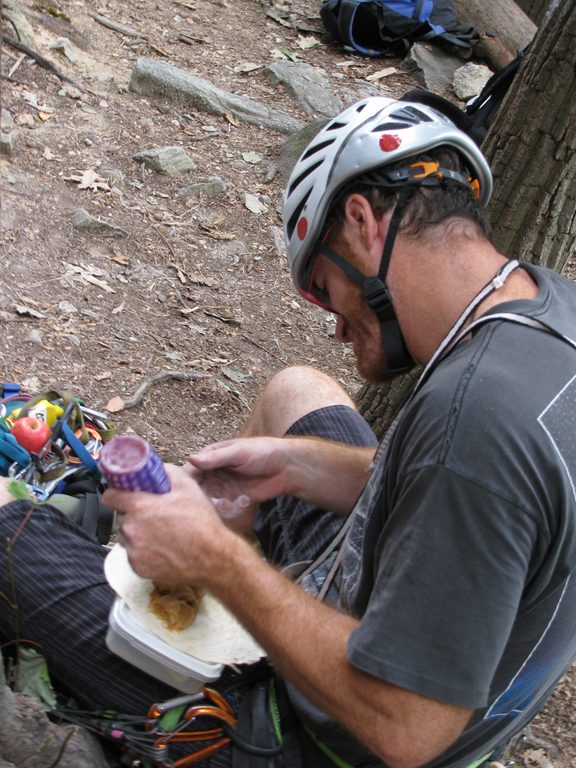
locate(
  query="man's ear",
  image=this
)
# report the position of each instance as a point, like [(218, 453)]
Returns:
[(360, 218)]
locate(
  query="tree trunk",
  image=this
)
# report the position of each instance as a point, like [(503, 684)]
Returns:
[(532, 149), (532, 146), (380, 403), (504, 28), (537, 9)]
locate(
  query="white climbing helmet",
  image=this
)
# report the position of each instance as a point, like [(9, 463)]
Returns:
[(369, 135)]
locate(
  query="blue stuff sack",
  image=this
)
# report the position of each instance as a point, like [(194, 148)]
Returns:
[(390, 27)]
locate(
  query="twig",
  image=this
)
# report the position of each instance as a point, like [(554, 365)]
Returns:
[(42, 60), (135, 400), (155, 226), (15, 66), (114, 25)]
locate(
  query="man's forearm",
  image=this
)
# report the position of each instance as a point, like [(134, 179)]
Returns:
[(329, 474), (307, 642)]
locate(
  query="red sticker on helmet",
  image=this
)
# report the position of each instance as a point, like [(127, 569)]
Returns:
[(389, 142), (302, 228)]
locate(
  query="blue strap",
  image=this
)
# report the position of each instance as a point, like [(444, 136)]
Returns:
[(11, 451), (78, 447)]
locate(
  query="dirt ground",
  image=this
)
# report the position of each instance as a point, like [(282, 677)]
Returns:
[(199, 285)]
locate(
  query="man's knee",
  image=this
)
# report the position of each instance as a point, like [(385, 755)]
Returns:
[(290, 394)]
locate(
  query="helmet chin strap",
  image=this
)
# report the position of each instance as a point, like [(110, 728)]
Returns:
[(376, 294)]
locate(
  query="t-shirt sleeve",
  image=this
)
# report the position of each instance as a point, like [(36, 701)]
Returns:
[(449, 576)]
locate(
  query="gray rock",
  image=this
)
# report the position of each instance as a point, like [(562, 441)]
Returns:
[(158, 78), (470, 79), (434, 67), (65, 47), (35, 337), (84, 221), (293, 147), (6, 119), (213, 187), (171, 161), (308, 84), (26, 732), (7, 144)]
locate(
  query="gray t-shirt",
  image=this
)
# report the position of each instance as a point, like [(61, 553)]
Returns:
[(461, 556)]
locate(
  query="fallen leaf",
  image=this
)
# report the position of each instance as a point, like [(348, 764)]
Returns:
[(21, 309), (89, 179), (235, 375), (45, 115), (381, 74), (247, 67), (24, 119), (103, 376), (252, 157), (231, 119), (200, 280), (306, 43), (284, 53), (114, 405), (254, 203)]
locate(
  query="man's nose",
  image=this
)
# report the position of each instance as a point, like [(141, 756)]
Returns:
[(342, 330)]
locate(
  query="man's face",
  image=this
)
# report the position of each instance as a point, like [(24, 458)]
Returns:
[(356, 323)]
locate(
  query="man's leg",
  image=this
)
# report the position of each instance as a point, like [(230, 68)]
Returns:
[(302, 401), (53, 594)]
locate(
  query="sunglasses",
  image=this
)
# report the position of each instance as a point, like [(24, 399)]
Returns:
[(310, 290)]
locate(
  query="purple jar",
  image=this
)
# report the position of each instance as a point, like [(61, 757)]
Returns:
[(129, 463)]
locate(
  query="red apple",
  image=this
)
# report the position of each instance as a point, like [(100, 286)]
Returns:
[(31, 433)]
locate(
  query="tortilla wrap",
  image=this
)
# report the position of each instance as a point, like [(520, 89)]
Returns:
[(215, 635)]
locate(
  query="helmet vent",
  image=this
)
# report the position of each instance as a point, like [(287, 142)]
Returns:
[(385, 127), (296, 183), (316, 148), (335, 126), (412, 116), (293, 220)]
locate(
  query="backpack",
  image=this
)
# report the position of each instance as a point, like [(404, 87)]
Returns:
[(390, 27), (63, 470), (480, 113)]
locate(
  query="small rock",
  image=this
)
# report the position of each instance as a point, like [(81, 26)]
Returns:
[(35, 337), (470, 79), (171, 161), (64, 46), (83, 220), (7, 144), (6, 119), (213, 187)]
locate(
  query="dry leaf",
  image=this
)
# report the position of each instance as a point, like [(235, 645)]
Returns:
[(231, 119), (306, 42), (114, 405), (247, 67), (252, 157), (89, 179), (381, 74), (24, 119), (45, 115), (21, 309), (103, 376), (254, 203)]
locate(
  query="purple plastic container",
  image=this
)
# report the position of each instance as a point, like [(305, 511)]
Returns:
[(129, 463)]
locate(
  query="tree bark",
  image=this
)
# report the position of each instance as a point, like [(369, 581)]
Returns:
[(532, 149), (537, 9)]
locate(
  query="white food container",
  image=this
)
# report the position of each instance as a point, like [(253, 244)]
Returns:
[(128, 638)]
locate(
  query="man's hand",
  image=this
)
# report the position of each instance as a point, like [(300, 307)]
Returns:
[(174, 537), (329, 474)]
